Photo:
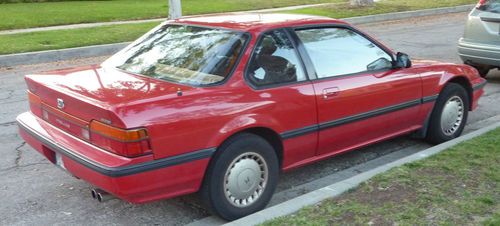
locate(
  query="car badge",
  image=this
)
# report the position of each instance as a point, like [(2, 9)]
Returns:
[(60, 103)]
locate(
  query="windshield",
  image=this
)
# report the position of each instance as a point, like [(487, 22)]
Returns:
[(491, 6), (182, 54)]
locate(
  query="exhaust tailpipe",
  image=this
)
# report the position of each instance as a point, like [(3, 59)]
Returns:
[(101, 195), (93, 192)]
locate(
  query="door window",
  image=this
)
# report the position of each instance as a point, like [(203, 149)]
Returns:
[(275, 61), (341, 51)]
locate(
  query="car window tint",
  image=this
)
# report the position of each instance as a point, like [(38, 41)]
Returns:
[(491, 6), (183, 54), (275, 61), (339, 51)]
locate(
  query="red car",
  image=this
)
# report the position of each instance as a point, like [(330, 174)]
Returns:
[(221, 104)]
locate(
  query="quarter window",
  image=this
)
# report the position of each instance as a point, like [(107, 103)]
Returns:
[(275, 61), (340, 51)]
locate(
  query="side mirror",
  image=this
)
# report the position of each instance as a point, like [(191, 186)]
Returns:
[(402, 60)]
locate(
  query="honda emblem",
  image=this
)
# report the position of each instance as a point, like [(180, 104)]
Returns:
[(60, 103)]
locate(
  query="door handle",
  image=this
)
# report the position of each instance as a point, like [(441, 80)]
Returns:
[(330, 92)]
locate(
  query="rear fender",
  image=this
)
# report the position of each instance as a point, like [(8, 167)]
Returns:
[(242, 123)]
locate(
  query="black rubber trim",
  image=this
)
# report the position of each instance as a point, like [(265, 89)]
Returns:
[(354, 118), (429, 99), (299, 132), (124, 170), (480, 85), (369, 114)]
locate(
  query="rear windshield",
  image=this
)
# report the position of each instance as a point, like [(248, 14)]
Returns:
[(491, 6), (183, 54)]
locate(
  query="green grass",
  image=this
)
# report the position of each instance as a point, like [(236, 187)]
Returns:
[(110, 10), (27, 15), (460, 186), (385, 6), (47, 40), (494, 220)]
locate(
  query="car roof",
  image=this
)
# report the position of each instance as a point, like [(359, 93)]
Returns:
[(255, 21)]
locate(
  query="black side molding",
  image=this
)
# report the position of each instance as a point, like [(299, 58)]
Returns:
[(119, 171), (358, 117), (429, 99), (299, 132), (369, 114)]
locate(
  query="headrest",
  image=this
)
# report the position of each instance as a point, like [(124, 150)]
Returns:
[(268, 46)]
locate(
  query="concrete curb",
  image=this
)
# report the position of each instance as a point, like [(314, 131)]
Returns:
[(60, 54), (108, 49), (76, 26), (336, 189)]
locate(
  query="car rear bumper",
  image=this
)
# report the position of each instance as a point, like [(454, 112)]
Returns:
[(136, 180), (478, 53)]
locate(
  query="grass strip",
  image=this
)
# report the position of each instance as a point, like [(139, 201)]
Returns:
[(28, 15), (384, 6), (60, 39), (460, 186)]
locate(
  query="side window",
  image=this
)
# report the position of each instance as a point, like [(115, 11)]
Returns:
[(275, 61), (340, 51)]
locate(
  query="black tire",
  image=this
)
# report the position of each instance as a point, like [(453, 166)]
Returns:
[(436, 134), (213, 193)]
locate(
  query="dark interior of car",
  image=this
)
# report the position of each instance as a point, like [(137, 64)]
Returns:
[(276, 69)]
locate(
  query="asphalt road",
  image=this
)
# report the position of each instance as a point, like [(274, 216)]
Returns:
[(33, 191)]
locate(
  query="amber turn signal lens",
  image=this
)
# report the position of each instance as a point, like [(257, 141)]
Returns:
[(32, 98), (117, 133)]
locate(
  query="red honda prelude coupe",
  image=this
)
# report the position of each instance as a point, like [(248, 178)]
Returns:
[(221, 104)]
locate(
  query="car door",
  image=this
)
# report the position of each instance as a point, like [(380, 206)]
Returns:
[(277, 75), (360, 97)]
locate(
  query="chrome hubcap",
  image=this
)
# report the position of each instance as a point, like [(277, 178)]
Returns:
[(452, 115), (245, 179)]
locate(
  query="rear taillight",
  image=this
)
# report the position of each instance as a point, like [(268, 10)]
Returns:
[(129, 143), (124, 142), (481, 4), (35, 104), (76, 126)]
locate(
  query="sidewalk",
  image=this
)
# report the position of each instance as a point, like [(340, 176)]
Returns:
[(88, 25)]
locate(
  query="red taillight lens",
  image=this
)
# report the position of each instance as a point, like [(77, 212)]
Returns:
[(129, 143), (481, 3)]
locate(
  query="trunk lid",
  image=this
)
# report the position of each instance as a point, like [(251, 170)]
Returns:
[(93, 93)]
